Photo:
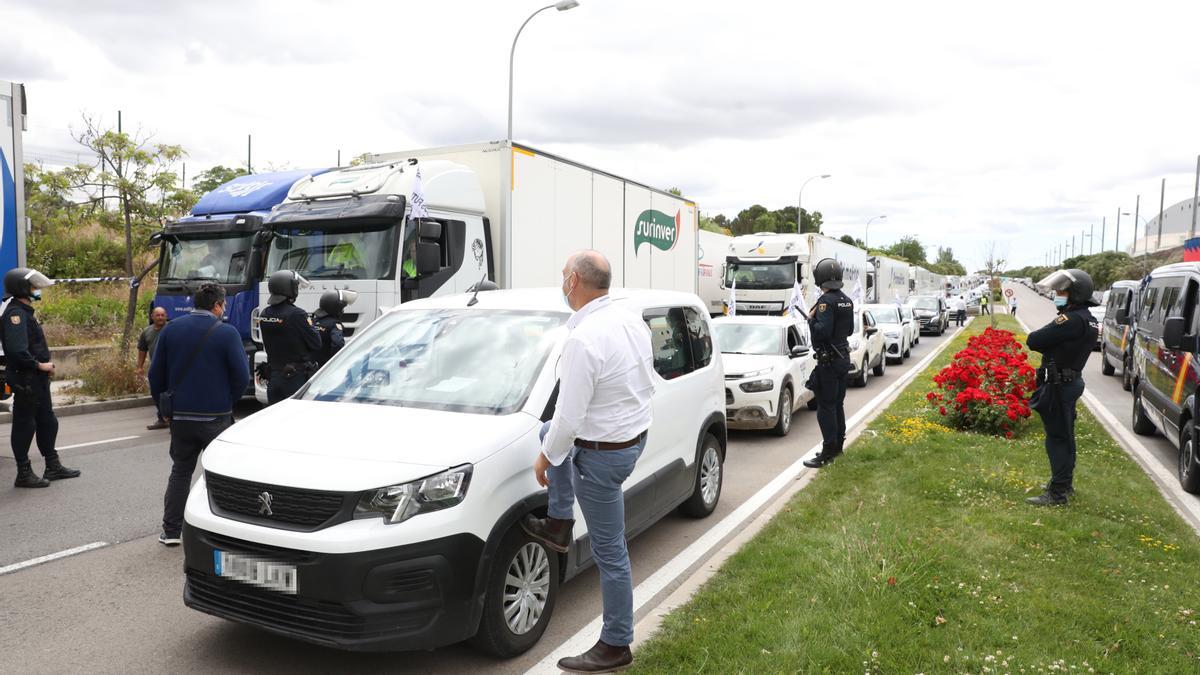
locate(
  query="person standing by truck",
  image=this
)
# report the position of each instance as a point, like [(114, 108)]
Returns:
[(328, 322), (598, 431), (145, 349), (831, 321), (288, 336)]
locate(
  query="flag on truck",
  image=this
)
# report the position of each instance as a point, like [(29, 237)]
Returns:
[(796, 304), (418, 197), (733, 297)]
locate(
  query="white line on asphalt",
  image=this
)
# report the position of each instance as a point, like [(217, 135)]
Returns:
[(107, 440), (657, 582), (53, 556)]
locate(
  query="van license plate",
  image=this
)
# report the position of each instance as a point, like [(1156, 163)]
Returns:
[(273, 576)]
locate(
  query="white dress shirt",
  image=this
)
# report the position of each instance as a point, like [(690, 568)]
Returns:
[(605, 379)]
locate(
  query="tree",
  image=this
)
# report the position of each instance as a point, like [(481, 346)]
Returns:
[(946, 264), (716, 224), (210, 180), (758, 218), (675, 191), (909, 248), (853, 241)]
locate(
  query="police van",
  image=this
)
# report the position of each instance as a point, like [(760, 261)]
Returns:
[(378, 509), (1115, 345), (1165, 371)]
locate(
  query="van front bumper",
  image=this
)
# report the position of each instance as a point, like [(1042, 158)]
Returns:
[(414, 597)]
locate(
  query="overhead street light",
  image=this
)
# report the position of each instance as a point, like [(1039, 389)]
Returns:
[(799, 210), (562, 6), (867, 230)]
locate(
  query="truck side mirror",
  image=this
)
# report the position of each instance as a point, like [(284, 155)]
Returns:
[(429, 258), (430, 229), (1122, 317)]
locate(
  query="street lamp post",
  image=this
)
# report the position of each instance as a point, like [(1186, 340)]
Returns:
[(562, 6), (799, 199), (867, 231)]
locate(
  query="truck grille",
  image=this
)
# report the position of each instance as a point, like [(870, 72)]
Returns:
[(290, 508)]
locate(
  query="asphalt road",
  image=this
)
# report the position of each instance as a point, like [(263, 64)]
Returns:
[(1037, 311), (118, 608)]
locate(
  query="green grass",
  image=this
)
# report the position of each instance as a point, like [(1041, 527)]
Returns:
[(915, 552)]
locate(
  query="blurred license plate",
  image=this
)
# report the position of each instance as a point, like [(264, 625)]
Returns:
[(248, 569)]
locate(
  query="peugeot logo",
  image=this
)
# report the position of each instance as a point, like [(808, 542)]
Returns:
[(264, 504)]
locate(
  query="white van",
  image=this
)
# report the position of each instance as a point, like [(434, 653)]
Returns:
[(378, 508)]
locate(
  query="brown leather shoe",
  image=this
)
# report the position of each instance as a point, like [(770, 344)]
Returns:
[(601, 658), (552, 532)]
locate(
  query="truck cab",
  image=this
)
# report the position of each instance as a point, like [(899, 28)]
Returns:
[(761, 270)]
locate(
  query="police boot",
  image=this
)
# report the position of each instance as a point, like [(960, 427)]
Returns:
[(1070, 492), (1048, 498), (825, 456), (26, 478), (56, 471), (553, 532)]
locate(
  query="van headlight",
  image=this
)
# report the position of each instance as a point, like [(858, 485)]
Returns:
[(398, 503)]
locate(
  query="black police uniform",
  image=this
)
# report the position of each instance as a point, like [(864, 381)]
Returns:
[(332, 338), (290, 341), (24, 348), (1065, 344), (831, 324)]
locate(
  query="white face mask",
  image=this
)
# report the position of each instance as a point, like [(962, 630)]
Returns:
[(566, 295)]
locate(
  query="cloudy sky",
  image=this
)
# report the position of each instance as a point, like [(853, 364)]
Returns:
[(1021, 124)]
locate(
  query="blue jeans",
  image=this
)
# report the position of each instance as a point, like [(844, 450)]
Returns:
[(595, 478)]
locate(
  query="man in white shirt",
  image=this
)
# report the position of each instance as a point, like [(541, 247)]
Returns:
[(960, 310), (592, 443)]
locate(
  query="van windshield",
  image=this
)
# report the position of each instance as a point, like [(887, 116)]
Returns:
[(468, 360), (366, 253)]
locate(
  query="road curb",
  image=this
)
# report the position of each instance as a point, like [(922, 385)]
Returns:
[(92, 407)]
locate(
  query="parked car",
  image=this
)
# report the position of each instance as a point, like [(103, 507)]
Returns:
[(932, 313), (1164, 370), (767, 362), (895, 335), (1098, 314), (912, 327), (866, 350), (1116, 349), (379, 508)]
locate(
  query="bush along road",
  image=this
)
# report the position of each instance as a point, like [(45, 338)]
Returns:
[(916, 553)]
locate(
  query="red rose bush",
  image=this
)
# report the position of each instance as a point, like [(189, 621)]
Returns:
[(986, 386)]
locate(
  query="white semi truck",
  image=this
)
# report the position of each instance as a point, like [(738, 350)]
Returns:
[(502, 212), (761, 270), (713, 246), (887, 280)]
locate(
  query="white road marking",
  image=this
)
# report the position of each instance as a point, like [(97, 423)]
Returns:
[(107, 440), (7, 569), (677, 566)]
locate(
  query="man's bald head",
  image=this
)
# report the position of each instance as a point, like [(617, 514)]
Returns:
[(592, 268)]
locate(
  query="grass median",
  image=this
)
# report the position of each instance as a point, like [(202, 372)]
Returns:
[(915, 552)]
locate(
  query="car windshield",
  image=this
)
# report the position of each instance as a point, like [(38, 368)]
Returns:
[(743, 338), (925, 303), (335, 254), (462, 360), (885, 315), (761, 276), (221, 258)]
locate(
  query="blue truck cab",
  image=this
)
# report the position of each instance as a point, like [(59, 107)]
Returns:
[(222, 241)]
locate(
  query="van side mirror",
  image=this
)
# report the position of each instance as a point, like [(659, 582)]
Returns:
[(1173, 337), (798, 351), (429, 258), (1122, 317)]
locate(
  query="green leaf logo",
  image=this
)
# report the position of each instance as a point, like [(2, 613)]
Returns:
[(656, 228)]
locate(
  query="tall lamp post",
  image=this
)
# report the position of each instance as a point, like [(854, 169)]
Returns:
[(867, 231), (562, 6), (800, 198)]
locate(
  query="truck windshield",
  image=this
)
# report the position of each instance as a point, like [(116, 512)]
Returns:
[(221, 258), (761, 276), (460, 360), (367, 253)]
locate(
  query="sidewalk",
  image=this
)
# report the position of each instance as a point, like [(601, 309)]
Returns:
[(67, 402)]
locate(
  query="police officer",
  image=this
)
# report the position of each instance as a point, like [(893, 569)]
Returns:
[(1065, 344), (328, 322), (288, 335), (28, 373), (831, 322)]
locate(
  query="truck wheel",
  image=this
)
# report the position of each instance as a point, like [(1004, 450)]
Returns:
[(710, 476), (519, 599), (1127, 374), (882, 367), (1141, 423), (1189, 464), (1106, 368), (783, 417)]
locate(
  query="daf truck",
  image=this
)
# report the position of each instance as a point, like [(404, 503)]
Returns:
[(762, 270), (439, 221)]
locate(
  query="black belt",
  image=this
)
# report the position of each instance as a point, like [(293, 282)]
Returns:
[(1063, 375), (606, 445)]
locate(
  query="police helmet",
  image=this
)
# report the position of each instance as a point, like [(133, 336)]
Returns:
[(828, 274), (1077, 284), (21, 282), (285, 285), (333, 303)]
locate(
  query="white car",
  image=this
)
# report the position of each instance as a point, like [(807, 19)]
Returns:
[(912, 327), (866, 350), (378, 508), (767, 362), (896, 342)]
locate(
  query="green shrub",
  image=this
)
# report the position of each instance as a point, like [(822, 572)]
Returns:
[(81, 255), (86, 310), (106, 375)]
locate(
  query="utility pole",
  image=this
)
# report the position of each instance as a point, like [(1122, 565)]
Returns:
[(249, 166), (1103, 222), (1092, 239), (1117, 239), (118, 121), (184, 176), (1195, 196), (1162, 195), (339, 163), (1136, 213)]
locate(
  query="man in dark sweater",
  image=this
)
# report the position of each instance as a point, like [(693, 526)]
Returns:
[(202, 392)]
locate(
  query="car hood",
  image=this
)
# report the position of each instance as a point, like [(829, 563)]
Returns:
[(738, 364), (353, 446)]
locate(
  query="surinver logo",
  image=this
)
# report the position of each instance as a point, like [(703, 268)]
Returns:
[(658, 229)]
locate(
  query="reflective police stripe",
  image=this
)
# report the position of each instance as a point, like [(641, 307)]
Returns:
[(1124, 337), (1183, 371)]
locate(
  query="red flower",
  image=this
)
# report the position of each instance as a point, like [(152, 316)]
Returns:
[(942, 409)]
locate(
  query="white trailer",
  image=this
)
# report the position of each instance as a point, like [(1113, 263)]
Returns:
[(887, 280), (713, 247), (761, 270)]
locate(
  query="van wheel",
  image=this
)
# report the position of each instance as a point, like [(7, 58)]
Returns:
[(1127, 373), (783, 418), (1106, 368), (882, 367), (1141, 423), (710, 476), (519, 598), (1189, 465)]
